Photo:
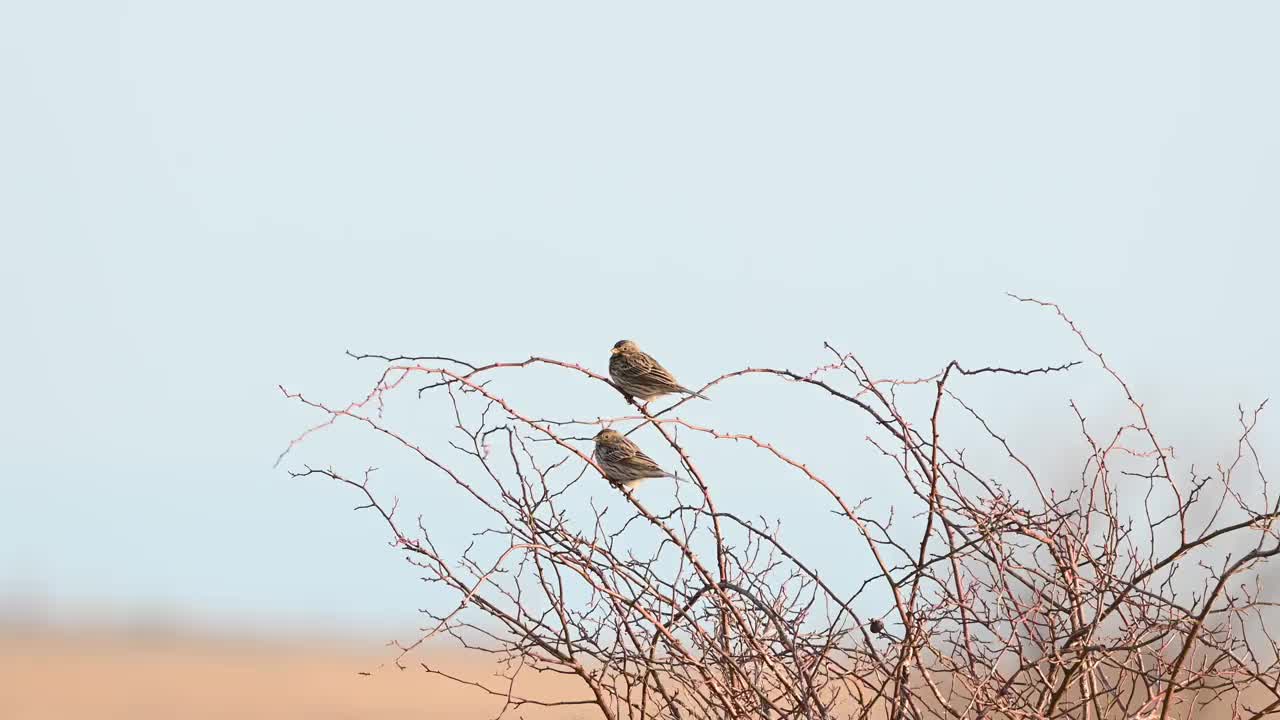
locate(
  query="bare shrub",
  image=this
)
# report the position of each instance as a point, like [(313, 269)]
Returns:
[(1131, 588)]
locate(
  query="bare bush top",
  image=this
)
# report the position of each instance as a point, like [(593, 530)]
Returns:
[(1131, 591)]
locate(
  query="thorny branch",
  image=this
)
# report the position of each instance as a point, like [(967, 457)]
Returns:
[(1134, 590)]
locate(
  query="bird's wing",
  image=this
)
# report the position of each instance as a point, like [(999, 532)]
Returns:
[(646, 462), (629, 454), (652, 369), (637, 459), (622, 452)]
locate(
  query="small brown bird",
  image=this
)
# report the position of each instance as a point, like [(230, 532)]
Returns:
[(640, 376), (623, 463)]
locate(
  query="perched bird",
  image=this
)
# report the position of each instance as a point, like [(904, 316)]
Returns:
[(623, 463), (640, 376)]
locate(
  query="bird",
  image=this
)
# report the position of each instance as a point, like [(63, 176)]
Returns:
[(639, 376), (623, 463)]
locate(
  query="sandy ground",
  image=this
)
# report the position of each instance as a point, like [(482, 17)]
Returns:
[(89, 675), (96, 674)]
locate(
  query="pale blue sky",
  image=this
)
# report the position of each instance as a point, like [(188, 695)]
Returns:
[(201, 200)]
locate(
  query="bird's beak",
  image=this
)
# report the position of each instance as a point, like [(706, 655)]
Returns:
[(614, 351)]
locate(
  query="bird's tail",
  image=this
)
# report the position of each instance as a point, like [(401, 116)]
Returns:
[(695, 394)]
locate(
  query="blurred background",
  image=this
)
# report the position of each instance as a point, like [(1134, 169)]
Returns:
[(200, 202)]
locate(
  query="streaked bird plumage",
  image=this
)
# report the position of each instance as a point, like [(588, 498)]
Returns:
[(640, 376), (623, 463)]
